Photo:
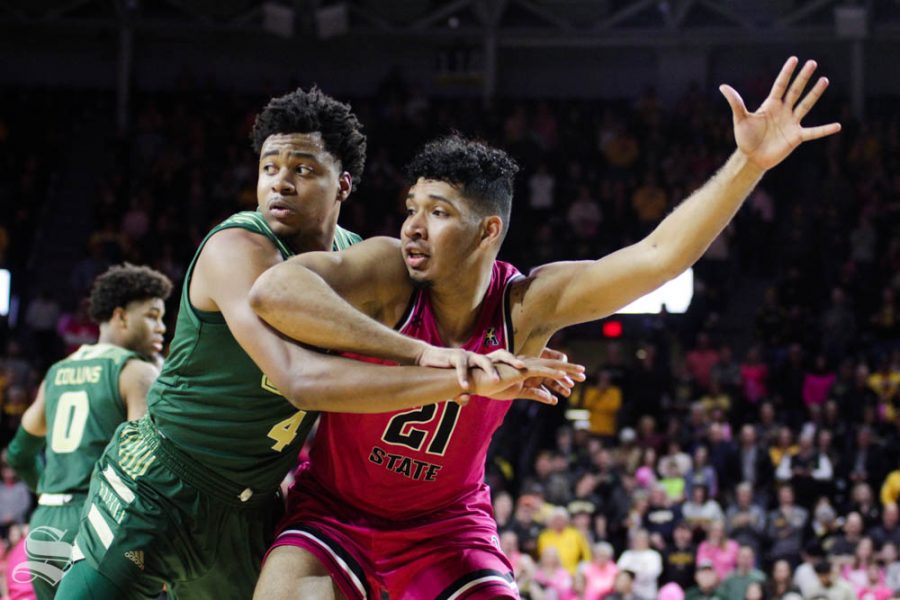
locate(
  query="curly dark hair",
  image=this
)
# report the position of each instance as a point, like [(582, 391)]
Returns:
[(314, 111), (483, 174), (122, 284)]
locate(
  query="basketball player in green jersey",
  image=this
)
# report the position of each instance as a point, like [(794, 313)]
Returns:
[(187, 495), (80, 402)]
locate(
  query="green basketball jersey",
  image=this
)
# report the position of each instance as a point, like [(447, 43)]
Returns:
[(214, 403), (83, 409)]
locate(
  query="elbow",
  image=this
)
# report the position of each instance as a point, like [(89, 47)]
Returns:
[(303, 397), (307, 387), (262, 298)]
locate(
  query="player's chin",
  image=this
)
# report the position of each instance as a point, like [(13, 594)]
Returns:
[(419, 277)]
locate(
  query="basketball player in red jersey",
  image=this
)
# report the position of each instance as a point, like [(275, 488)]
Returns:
[(396, 502)]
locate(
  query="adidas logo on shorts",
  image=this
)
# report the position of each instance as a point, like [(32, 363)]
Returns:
[(137, 557)]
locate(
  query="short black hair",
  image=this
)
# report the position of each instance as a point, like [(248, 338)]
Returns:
[(314, 111), (123, 284), (482, 173)]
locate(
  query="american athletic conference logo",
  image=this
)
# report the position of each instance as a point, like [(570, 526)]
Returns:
[(48, 556)]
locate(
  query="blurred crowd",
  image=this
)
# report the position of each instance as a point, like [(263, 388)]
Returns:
[(707, 464)]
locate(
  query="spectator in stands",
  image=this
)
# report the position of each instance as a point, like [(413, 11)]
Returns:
[(749, 462), (829, 585), (679, 558), (863, 501), (603, 400), (702, 473), (736, 584), (826, 528), (700, 361), (780, 585), (817, 382), (754, 376), (524, 522), (15, 500), (888, 531), (570, 544), (805, 577), (503, 510), (707, 584), (874, 587), (584, 215), (596, 579), (809, 472), (557, 581), (644, 562), (889, 557), (865, 463), (855, 569), (720, 551), (745, 521), (890, 490), (625, 587), (661, 517), (784, 446), (700, 511), (785, 527), (529, 588)]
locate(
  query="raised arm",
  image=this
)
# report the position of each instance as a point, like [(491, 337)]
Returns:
[(562, 294), (226, 270)]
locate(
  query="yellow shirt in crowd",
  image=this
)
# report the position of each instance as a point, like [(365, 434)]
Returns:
[(571, 544)]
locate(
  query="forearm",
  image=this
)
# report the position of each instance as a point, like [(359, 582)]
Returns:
[(24, 456), (336, 384), (301, 305), (682, 237)]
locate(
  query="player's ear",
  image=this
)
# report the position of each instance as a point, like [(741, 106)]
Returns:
[(345, 186), (492, 229), (119, 316)]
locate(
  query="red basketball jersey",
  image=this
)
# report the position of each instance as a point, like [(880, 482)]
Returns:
[(405, 464)]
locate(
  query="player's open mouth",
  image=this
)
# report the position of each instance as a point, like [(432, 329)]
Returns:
[(415, 258)]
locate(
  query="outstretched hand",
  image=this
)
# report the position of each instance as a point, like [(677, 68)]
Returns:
[(770, 134), (531, 382)]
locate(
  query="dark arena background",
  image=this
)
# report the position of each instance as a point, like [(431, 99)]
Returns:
[(739, 434)]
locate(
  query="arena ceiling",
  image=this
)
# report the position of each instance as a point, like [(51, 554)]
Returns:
[(513, 22)]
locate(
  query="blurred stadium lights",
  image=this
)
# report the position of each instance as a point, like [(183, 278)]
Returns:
[(675, 295), (278, 19), (332, 21), (5, 287), (851, 22), (216, 10)]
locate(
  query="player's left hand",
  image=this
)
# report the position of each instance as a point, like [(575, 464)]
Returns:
[(551, 384), (769, 135)]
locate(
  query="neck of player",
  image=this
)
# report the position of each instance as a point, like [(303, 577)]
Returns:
[(319, 239), (457, 301)]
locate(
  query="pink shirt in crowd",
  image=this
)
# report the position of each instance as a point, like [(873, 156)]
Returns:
[(724, 560)]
